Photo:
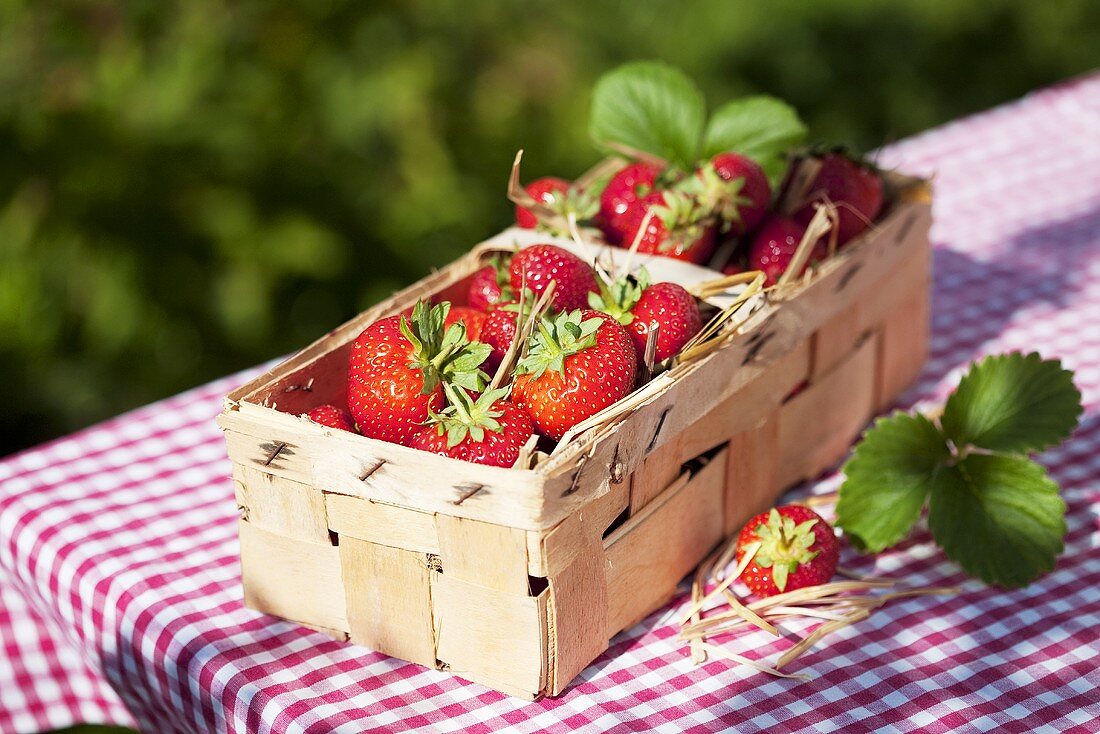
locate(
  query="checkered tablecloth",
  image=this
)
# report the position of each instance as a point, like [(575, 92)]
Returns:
[(120, 588)]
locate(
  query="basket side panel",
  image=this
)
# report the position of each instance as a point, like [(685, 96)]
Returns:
[(752, 479), (817, 426), (388, 599), (490, 636), (903, 347), (291, 578), (283, 506), (647, 556), (577, 614), (397, 527), (493, 556)]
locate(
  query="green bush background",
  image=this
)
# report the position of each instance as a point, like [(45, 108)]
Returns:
[(188, 188)]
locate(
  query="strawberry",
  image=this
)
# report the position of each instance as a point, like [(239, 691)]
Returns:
[(554, 201), (577, 364), (332, 416), (472, 318), (639, 305), (734, 187), (545, 190), (534, 267), (500, 330), (490, 285), (677, 229), (775, 244), (853, 186), (620, 195), (797, 549), (489, 430), (397, 368)]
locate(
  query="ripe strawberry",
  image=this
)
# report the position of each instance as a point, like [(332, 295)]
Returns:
[(638, 305), (775, 244), (621, 194), (500, 330), (797, 549), (736, 188), (546, 190), (489, 430), (854, 187), (397, 368), (332, 416), (678, 228), (472, 319), (490, 285), (577, 364), (534, 267)]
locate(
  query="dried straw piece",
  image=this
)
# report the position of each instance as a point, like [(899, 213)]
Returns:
[(720, 652), (709, 288), (709, 338), (811, 593), (747, 614), (523, 332), (750, 553), (819, 226), (811, 639)]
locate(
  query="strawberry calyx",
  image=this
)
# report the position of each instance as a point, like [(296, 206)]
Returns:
[(499, 263), (553, 215), (718, 196), (556, 338), (784, 546), (618, 298), (684, 216), (443, 354), (466, 418)]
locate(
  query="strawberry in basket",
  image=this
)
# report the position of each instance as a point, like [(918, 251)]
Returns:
[(535, 267), (639, 305), (398, 367), (489, 430), (852, 185), (490, 285), (577, 364)]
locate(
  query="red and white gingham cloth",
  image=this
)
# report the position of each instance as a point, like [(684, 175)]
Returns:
[(120, 587)]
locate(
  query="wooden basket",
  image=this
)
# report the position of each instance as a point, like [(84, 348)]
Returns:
[(518, 578)]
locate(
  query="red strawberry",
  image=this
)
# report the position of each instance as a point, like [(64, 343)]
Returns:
[(577, 364), (675, 230), (736, 188), (534, 267), (547, 190), (638, 305), (775, 244), (397, 368), (472, 319), (490, 430), (490, 285), (500, 330), (797, 549), (621, 194), (854, 187), (332, 416)]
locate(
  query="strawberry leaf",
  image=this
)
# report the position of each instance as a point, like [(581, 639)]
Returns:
[(999, 517), (1013, 402), (761, 127), (650, 107), (887, 479)]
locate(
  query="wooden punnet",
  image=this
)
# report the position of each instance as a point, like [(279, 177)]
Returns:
[(518, 578)]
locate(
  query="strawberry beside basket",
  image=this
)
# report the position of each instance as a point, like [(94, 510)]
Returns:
[(518, 578)]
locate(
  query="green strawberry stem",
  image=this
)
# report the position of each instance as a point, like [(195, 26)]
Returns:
[(443, 355)]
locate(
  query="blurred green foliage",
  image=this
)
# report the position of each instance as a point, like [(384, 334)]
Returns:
[(187, 188)]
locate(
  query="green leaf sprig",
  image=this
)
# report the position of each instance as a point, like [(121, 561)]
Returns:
[(652, 108), (991, 508)]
